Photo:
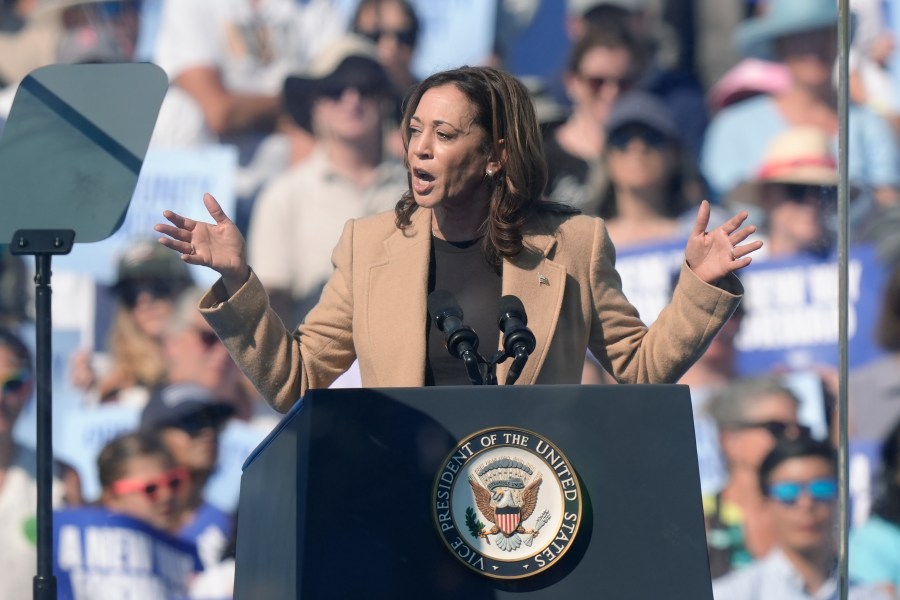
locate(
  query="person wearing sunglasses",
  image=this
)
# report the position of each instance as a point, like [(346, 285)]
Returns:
[(393, 26), (148, 284), (139, 478), (795, 190), (751, 415), (194, 354), (300, 213), (798, 482), (602, 65), (188, 418), (18, 474), (652, 183)]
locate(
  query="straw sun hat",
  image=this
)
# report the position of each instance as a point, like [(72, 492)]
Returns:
[(801, 155)]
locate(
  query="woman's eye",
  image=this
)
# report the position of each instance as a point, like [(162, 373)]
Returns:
[(443, 135)]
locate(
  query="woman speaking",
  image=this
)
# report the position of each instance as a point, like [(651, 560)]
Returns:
[(473, 222)]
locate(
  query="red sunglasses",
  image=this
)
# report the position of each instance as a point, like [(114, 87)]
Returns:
[(172, 479)]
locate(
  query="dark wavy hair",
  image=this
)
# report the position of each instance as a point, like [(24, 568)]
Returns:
[(505, 112)]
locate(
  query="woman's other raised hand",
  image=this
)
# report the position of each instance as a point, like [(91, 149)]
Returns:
[(714, 254), (219, 245)]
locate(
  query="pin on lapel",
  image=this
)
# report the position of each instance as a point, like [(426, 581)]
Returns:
[(542, 279)]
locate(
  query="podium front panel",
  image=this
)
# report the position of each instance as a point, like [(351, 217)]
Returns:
[(337, 503)]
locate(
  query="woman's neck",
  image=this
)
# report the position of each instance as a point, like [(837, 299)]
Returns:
[(461, 223)]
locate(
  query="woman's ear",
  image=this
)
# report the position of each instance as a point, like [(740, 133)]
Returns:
[(498, 159)]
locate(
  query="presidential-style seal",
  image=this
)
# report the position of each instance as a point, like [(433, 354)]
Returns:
[(507, 503)]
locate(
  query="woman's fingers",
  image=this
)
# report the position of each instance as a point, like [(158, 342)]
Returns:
[(177, 245), (702, 219), (739, 236), (215, 211), (173, 232), (179, 221)]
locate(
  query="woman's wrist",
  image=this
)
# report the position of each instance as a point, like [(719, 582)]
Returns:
[(234, 282)]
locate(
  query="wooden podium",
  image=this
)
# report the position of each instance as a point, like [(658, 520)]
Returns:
[(338, 502)]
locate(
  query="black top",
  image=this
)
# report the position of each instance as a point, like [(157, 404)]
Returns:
[(461, 269)]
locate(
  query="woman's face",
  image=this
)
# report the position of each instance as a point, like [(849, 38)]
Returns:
[(148, 490), (603, 75), (446, 153), (639, 159), (15, 389)]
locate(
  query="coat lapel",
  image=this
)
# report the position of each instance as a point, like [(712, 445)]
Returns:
[(539, 283), (396, 307)]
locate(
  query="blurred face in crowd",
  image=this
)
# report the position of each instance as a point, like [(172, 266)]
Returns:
[(194, 441), (122, 16), (746, 444), (802, 495), (15, 389), (640, 158), (349, 113), (388, 26), (195, 353), (795, 217), (148, 490), (810, 56), (151, 304), (447, 151), (603, 74)]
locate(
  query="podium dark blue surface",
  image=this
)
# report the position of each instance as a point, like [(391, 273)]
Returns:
[(336, 502)]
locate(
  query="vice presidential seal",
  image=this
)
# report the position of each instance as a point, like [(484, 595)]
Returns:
[(507, 503)]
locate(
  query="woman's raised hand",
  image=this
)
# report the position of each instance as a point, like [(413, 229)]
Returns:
[(219, 245), (714, 254)]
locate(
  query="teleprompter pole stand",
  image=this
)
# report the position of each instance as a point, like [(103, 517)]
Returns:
[(43, 244)]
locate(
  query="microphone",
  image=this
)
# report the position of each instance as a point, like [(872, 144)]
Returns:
[(462, 341), (518, 341)]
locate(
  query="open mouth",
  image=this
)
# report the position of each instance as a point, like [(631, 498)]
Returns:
[(422, 181)]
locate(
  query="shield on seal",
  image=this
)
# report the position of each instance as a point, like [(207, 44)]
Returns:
[(507, 519)]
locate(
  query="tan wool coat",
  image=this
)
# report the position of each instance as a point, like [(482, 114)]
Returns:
[(374, 309)]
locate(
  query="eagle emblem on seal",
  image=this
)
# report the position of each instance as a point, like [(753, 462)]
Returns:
[(506, 494)]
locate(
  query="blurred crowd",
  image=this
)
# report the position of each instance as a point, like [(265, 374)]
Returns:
[(654, 106)]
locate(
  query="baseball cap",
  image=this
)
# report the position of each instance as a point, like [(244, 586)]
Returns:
[(642, 108), (181, 404)]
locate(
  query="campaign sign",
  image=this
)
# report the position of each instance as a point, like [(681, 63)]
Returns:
[(100, 555), (791, 312), (173, 179), (790, 305)]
